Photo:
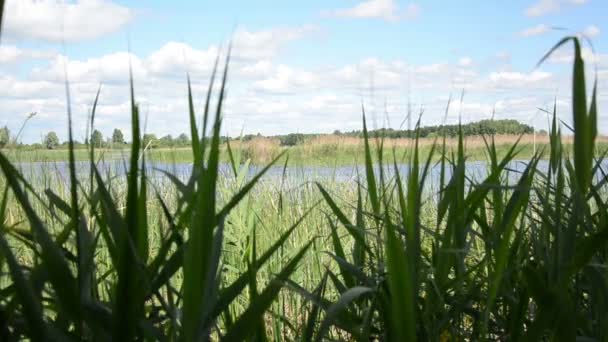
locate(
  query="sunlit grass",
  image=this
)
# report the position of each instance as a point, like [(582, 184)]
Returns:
[(214, 252)]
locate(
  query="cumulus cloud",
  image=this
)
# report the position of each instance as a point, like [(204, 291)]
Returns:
[(179, 58), (16, 88), (544, 7), (108, 68), (535, 30), (286, 79), (565, 55), (387, 10), (61, 20), (13, 54), (519, 77), (465, 61), (591, 31), (266, 43)]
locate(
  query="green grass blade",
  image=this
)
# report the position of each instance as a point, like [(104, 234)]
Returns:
[(246, 323), (338, 307), (29, 299)]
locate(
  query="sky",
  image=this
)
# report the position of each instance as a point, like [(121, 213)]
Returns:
[(296, 66)]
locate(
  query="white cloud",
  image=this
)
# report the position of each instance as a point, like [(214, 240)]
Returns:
[(108, 68), (465, 62), (566, 55), (11, 54), (512, 76), (57, 20), (591, 31), (178, 58), (253, 45), (15, 88), (252, 54), (257, 69), (535, 30), (544, 7), (286, 79), (378, 9)]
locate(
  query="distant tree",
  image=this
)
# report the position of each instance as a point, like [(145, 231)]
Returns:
[(182, 140), (337, 132), (166, 141), (292, 139), (51, 140), (149, 141), (5, 136), (117, 137), (97, 138), (248, 137)]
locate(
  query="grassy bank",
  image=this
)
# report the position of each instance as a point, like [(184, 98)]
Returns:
[(328, 151)]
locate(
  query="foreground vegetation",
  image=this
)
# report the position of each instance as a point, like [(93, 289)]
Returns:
[(203, 256)]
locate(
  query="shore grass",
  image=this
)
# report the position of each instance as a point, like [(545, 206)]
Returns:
[(327, 151)]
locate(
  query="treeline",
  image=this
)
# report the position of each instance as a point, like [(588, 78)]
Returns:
[(117, 140), (507, 126), (481, 127)]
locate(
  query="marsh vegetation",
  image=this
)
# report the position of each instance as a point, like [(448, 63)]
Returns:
[(420, 249)]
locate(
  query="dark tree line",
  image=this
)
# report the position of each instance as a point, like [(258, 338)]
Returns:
[(150, 140), (506, 126)]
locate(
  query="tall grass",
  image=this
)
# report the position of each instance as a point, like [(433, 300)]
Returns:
[(518, 253)]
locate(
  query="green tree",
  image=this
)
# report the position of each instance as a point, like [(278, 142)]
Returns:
[(149, 141), (5, 136), (117, 137), (97, 138), (182, 140), (51, 140), (166, 141), (292, 139)]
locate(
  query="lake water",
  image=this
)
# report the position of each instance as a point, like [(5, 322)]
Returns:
[(476, 170)]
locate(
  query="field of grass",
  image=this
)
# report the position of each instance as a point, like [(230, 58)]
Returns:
[(392, 256)]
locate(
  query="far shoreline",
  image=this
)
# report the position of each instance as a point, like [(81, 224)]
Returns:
[(327, 150)]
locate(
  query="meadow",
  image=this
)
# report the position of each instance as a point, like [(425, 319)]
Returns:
[(429, 252)]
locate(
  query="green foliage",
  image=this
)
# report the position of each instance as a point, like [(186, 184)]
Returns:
[(98, 277), (117, 137), (292, 139), (5, 136), (51, 140), (182, 140), (506, 126), (166, 141), (390, 257), (149, 140), (96, 138), (500, 259)]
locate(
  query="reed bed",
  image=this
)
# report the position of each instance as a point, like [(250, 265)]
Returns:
[(215, 252)]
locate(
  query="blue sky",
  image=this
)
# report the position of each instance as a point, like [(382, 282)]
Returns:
[(298, 66)]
